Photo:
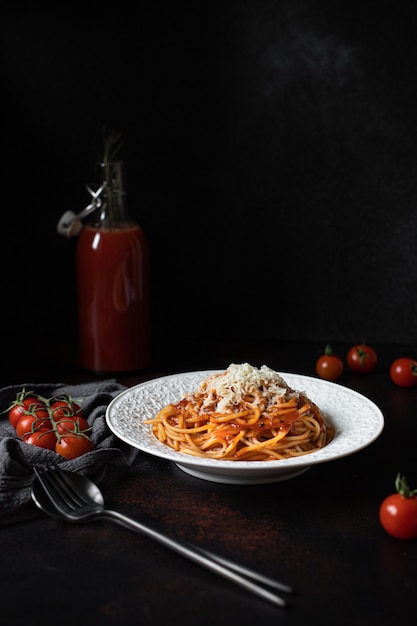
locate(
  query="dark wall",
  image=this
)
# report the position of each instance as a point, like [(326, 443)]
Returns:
[(271, 158)]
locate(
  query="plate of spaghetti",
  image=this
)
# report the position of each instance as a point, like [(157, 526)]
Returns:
[(244, 425)]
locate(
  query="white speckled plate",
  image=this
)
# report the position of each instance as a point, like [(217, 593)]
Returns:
[(357, 422)]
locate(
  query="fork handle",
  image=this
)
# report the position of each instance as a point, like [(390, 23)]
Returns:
[(221, 566)]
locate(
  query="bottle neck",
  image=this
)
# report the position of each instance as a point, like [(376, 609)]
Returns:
[(111, 209)]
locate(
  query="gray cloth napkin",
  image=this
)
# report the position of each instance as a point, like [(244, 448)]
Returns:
[(104, 464)]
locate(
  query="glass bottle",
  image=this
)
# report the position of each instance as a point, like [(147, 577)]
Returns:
[(112, 262)]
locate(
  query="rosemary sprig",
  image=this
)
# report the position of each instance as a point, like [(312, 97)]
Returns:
[(111, 170), (112, 145)]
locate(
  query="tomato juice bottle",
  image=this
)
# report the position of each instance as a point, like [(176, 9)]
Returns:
[(112, 263)]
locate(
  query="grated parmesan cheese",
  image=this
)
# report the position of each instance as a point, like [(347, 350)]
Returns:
[(224, 391)]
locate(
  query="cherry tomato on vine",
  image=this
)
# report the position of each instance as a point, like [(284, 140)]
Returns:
[(403, 372), (398, 512), (42, 438), (32, 422), (72, 446), (68, 425), (56, 423), (65, 408), (329, 365), (21, 406), (362, 359)]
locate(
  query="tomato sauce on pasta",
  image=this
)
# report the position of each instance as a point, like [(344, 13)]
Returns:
[(243, 414)]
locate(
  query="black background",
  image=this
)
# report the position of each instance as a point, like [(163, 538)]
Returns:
[(271, 158)]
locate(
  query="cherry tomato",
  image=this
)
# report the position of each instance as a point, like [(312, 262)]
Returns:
[(55, 423), (42, 439), (31, 422), (362, 359), (403, 372), (72, 446), (72, 425), (21, 406), (398, 512), (64, 408), (329, 365)]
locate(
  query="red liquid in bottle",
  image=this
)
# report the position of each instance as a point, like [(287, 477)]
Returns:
[(113, 299)]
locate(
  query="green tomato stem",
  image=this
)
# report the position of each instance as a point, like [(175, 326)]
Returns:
[(402, 487)]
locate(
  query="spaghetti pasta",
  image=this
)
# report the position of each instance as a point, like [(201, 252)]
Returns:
[(243, 414)]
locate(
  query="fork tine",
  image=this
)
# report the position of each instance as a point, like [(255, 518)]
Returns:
[(58, 490), (77, 498), (51, 490)]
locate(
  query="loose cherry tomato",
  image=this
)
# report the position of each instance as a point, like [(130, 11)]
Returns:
[(72, 446), (362, 359), (329, 365), (23, 403), (403, 372), (398, 512), (42, 439)]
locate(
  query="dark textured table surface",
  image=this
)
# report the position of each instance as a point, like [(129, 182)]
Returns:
[(318, 532)]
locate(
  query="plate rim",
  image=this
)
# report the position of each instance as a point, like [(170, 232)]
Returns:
[(219, 466)]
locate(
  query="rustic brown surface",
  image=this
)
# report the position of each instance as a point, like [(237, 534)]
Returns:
[(318, 532)]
